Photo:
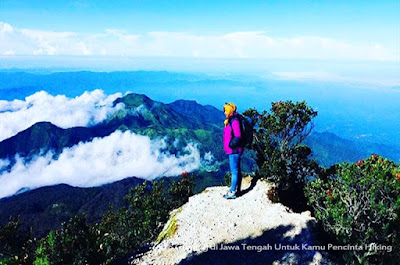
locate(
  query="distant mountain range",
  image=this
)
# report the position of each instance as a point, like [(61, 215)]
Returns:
[(181, 119), (330, 149), (351, 112)]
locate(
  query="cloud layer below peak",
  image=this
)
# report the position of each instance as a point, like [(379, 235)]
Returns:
[(103, 160), (252, 44)]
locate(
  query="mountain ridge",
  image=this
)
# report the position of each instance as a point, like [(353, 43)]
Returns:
[(330, 149), (140, 115), (45, 208)]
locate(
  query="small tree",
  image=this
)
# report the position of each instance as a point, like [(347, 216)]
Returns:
[(280, 153), (360, 205)]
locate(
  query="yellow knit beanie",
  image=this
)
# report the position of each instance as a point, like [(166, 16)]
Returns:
[(229, 109)]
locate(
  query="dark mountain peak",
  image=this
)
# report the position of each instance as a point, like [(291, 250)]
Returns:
[(192, 105), (134, 100), (186, 104), (195, 111), (39, 129), (184, 101), (44, 125), (42, 137), (30, 140), (328, 136)]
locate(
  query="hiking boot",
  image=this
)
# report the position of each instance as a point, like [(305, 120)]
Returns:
[(230, 195)]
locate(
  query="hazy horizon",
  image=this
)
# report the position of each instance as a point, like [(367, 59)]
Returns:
[(338, 41)]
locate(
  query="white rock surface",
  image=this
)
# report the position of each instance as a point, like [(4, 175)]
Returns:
[(208, 224)]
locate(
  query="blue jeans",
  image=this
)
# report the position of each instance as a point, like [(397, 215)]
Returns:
[(234, 163)]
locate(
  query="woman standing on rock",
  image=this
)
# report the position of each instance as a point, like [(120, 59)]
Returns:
[(231, 139)]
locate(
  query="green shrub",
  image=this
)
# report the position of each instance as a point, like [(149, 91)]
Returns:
[(6, 261), (16, 245), (41, 257), (281, 157), (124, 231), (228, 179), (129, 229), (360, 205), (182, 189), (73, 243), (120, 232)]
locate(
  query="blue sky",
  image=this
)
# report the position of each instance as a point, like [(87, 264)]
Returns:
[(364, 20), (288, 30)]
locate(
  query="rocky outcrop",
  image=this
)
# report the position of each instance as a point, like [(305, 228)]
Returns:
[(247, 230)]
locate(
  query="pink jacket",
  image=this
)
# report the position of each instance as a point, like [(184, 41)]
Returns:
[(228, 136)]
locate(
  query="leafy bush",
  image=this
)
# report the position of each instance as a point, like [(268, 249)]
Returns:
[(16, 245), (281, 157), (182, 190), (228, 179), (72, 244), (272, 195), (360, 205), (128, 229)]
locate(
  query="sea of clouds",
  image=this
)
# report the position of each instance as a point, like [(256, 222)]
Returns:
[(103, 160), (100, 161), (87, 109)]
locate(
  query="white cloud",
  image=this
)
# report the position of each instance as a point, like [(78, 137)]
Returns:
[(4, 163), (252, 44), (4, 28), (103, 160), (84, 110), (9, 52), (37, 42)]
